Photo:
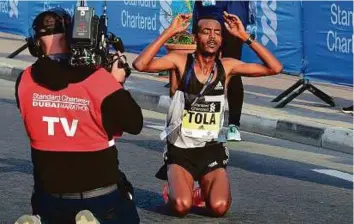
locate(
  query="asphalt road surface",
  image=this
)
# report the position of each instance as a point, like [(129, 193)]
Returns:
[(272, 180)]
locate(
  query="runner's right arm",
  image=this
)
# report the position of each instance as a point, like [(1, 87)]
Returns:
[(145, 62)]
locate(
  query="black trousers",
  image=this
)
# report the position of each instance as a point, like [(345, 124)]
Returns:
[(232, 48)]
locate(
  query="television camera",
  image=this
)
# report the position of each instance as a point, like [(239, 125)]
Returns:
[(91, 41)]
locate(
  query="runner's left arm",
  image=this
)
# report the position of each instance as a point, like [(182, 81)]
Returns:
[(271, 65)]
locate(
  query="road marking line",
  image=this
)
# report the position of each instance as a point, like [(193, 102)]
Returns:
[(157, 127), (335, 173)]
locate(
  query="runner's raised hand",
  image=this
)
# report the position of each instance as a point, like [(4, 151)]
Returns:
[(234, 25), (180, 23)]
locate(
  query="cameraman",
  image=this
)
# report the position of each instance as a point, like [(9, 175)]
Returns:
[(72, 116)]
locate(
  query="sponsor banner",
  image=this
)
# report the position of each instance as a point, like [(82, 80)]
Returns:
[(313, 38), (138, 23), (328, 41), (14, 16), (277, 25)]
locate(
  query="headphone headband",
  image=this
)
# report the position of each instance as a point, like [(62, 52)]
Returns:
[(52, 21)]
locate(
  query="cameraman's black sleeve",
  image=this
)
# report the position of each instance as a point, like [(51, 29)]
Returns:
[(121, 112), (18, 80)]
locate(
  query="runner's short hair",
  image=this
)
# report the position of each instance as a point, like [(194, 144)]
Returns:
[(195, 27)]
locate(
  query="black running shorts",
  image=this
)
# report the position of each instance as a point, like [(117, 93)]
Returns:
[(197, 161)]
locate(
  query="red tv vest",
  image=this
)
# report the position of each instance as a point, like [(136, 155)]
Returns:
[(70, 119)]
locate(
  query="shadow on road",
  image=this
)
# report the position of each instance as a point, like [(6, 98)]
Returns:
[(268, 165), (15, 165)]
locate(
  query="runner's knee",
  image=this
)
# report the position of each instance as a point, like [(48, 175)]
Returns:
[(219, 207), (181, 205)]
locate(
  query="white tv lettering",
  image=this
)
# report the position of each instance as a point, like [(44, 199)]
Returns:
[(50, 121), (69, 131)]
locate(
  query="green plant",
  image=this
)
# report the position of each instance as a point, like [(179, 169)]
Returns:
[(182, 38)]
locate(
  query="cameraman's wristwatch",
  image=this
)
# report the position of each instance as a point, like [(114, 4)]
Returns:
[(250, 39)]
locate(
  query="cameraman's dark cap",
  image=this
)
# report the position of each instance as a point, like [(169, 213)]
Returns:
[(52, 21)]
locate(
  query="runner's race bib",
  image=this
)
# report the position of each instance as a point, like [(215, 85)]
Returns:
[(202, 120)]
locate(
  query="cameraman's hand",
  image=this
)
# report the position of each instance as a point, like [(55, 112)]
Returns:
[(118, 73)]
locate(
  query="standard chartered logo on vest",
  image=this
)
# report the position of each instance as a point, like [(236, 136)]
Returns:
[(9, 7), (60, 101), (141, 20)]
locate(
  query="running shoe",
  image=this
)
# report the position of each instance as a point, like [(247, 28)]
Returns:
[(86, 217), (28, 219), (198, 199), (233, 133), (347, 110), (165, 193)]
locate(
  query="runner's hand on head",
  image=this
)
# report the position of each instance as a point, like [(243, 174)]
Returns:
[(234, 25), (180, 23)]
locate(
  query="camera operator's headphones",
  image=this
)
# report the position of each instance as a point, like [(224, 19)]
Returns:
[(52, 21)]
